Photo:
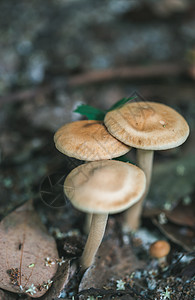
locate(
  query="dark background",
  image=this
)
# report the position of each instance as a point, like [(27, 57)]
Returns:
[(57, 54)]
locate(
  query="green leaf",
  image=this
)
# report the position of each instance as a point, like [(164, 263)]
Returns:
[(121, 103), (90, 112), (123, 158), (93, 113)]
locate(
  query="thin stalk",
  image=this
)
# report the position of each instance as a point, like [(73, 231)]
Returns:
[(87, 223), (96, 233), (133, 214)]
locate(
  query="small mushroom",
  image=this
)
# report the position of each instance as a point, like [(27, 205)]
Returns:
[(147, 126), (160, 249), (100, 188)]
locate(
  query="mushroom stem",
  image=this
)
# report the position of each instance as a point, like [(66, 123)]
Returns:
[(162, 261), (87, 223), (132, 215), (145, 162), (96, 233)]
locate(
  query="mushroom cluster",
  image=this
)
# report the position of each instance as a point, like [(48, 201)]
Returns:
[(103, 186), (88, 140), (100, 186)]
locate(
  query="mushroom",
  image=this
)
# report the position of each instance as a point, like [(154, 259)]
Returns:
[(160, 249), (147, 126), (100, 188), (88, 140)]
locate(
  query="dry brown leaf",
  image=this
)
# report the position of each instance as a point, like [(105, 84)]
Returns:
[(24, 247), (181, 235), (182, 214), (112, 262)]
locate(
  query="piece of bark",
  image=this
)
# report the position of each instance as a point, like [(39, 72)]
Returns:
[(25, 253), (60, 281)]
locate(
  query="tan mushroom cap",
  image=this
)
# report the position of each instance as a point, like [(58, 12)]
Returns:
[(160, 249), (105, 186), (147, 125), (88, 140)]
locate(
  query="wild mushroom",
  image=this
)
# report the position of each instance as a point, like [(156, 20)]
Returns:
[(160, 249), (100, 188), (147, 126), (88, 140)]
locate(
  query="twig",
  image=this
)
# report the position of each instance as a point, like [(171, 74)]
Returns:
[(135, 72), (26, 94)]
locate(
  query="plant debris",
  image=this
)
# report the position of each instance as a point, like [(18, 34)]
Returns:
[(24, 247), (113, 262), (181, 235)]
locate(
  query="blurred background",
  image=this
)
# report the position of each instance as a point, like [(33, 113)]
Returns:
[(57, 54)]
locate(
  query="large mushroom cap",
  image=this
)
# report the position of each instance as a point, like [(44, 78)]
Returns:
[(88, 140), (147, 125), (105, 186)]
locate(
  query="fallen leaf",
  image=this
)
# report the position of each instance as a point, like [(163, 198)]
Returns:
[(25, 246), (113, 261), (182, 214), (181, 235)]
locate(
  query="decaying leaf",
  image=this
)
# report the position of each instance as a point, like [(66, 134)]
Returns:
[(112, 262), (181, 235), (182, 214), (27, 253)]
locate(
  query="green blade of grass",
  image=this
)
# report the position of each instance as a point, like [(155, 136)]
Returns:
[(121, 103), (90, 112), (93, 113)]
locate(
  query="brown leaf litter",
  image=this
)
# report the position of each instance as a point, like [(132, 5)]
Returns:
[(113, 262), (181, 235), (27, 253)]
